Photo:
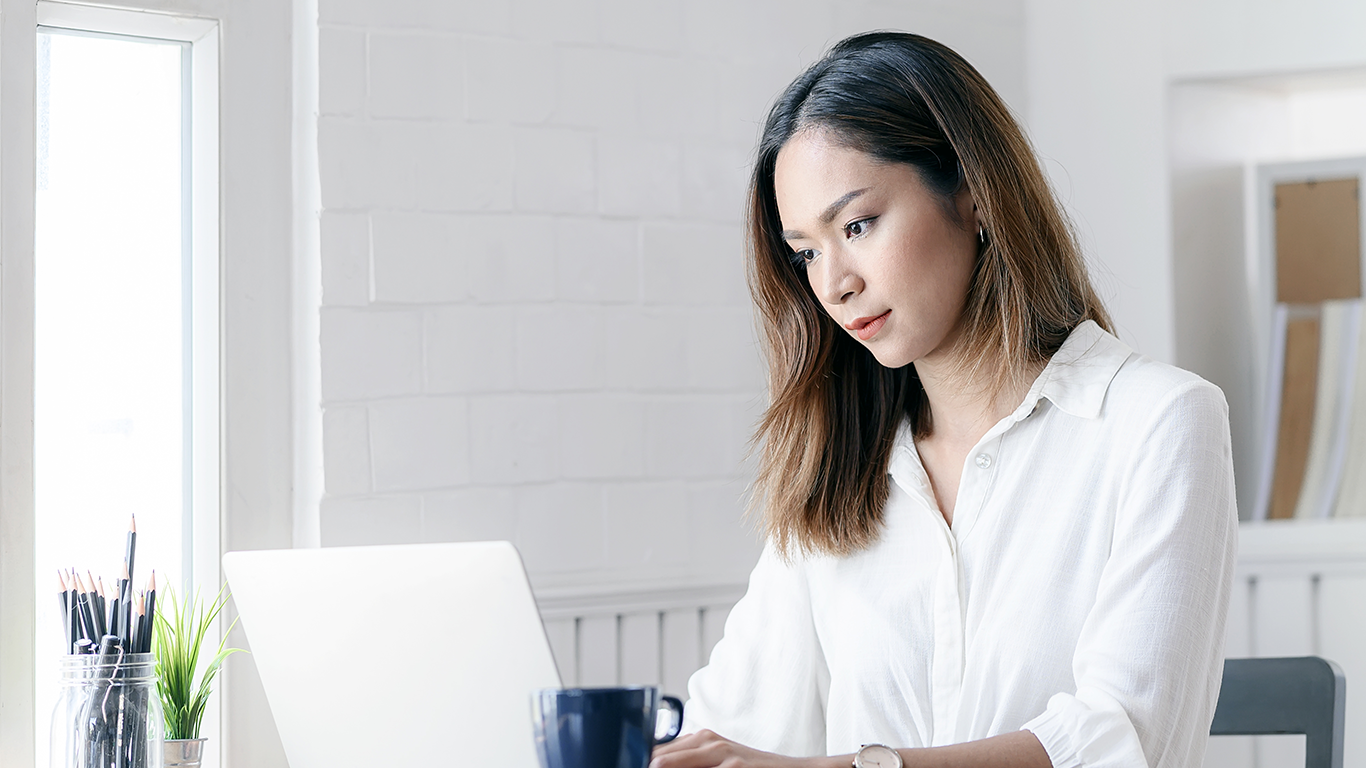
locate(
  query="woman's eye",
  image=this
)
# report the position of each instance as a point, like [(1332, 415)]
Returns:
[(804, 256), (858, 228)]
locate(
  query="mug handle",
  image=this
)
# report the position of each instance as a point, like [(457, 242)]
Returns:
[(675, 727)]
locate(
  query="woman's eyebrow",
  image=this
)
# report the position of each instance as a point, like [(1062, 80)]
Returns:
[(830, 212)]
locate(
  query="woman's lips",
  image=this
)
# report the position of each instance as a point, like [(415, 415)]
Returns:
[(867, 327)]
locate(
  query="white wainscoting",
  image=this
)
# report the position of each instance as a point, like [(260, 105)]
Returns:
[(635, 637), (1300, 591)]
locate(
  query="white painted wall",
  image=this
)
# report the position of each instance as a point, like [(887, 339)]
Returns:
[(1095, 85), (535, 325), (1098, 75), (1130, 136)]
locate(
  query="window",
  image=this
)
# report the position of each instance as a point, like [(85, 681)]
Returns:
[(126, 342)]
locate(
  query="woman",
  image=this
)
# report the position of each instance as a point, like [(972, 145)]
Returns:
[(996, 535)]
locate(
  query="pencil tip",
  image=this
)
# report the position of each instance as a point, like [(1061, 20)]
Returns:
[(133, 523)]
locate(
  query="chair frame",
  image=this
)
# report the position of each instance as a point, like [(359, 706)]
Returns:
[(1285, 695)]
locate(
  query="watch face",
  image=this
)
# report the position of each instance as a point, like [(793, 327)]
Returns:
[(877, 756)]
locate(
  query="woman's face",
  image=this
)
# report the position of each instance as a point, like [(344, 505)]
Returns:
[(882, 255)]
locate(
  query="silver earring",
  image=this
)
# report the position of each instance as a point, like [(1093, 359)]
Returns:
[(981, 235)]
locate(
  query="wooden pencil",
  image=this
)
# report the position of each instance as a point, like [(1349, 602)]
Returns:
[(76, 629), (96, 605), (87, 617), (128, 562), (125, 607), (151, 611)]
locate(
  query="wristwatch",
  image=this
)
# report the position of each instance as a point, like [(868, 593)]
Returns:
[(877, 756)]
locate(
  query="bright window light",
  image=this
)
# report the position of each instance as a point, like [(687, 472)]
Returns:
[(112, 314)]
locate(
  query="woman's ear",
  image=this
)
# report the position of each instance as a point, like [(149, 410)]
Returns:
[(968, 214)]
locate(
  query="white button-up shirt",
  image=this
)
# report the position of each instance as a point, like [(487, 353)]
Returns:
[(1080, 593)]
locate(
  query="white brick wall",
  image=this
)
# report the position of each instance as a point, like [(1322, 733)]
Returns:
[(535, 324)]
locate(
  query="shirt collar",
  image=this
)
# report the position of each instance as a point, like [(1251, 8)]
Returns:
[(1079, 373), (1075, 380)]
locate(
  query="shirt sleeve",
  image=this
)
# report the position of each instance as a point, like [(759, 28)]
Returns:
[(766, 682), (1149, 659)]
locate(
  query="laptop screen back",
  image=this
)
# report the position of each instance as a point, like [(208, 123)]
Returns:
[(396, 655)]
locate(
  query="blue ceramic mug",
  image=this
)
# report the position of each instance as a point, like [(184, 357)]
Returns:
[(600, 727)]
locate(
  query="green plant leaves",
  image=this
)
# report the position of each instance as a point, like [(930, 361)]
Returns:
[(180, 633)]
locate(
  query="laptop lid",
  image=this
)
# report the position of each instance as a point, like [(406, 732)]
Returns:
[(396, 655)]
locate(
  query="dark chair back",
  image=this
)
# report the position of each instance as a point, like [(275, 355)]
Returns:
[(1294, 695)]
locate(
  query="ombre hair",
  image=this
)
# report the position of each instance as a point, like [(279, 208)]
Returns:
[(826, 438)]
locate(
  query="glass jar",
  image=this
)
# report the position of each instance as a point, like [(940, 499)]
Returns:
[(108, 714)]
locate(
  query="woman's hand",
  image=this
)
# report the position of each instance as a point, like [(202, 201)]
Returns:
[(705, 749)]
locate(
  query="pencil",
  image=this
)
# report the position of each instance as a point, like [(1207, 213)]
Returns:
[(87, 620), (104, 600), (114, 614), (151, 611), (142, 646), (126, 593), (135, 628), (96, 605), (132, 541), (128, 559), (76, 631), (96, 614)]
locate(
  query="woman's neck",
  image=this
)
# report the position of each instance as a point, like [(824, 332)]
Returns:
[(962, 406)]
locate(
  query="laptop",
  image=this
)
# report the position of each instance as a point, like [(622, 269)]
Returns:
[(396, 655)]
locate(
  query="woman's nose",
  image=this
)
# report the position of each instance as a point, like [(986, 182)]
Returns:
[(840, 281)]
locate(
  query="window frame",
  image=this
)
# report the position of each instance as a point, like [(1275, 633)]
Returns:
[(200, 253), (270, 286), (201, 245)]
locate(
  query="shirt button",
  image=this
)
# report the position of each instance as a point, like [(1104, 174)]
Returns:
[(983, 460)]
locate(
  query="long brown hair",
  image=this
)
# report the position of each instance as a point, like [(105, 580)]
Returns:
[(827, 435)]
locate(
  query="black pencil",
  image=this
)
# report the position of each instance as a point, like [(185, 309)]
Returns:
[(134, 629), (128, 559), (97, 605), (75, 608), (144, 641), (126, 602), (151, 611), (87, 620), (104, 601), (93, 599), (114, 614), (132, 541)]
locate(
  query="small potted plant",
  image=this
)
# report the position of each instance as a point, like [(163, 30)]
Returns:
[(181, 630)]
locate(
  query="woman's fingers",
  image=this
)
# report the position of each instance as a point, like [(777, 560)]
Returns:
[(687, 741), (706, 749), (703, 749)]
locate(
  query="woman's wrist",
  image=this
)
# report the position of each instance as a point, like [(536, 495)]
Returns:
[(836, 761)]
